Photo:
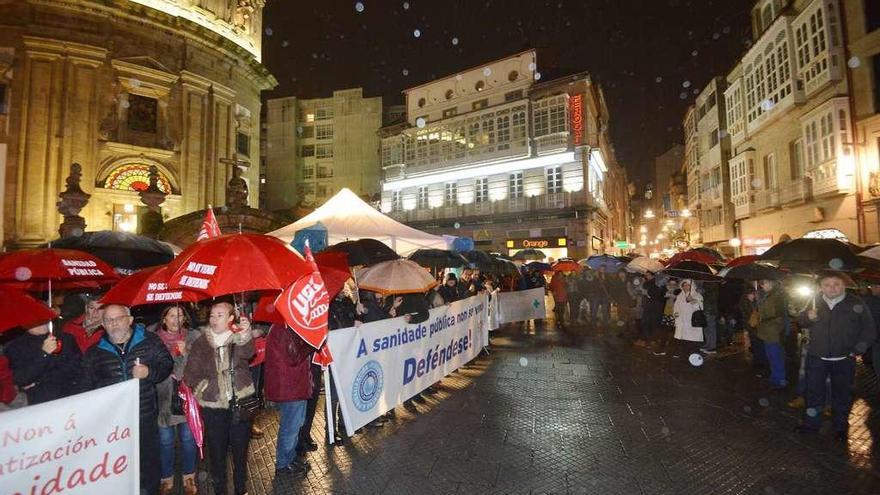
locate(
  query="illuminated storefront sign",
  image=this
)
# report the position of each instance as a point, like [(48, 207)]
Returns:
[(576, 111), (537, 243), (760, 241)]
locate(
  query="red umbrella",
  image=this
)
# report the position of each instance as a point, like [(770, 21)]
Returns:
[(193, 416), (41, 269), (742, 260), (236, 263), (693, 255), (18, 309), (148, 286), (334, 270), (265, 309), (566, 266)]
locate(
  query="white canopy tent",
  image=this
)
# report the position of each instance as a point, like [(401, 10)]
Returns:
[(347, 218)]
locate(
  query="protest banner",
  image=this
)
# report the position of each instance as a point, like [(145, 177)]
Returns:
[(520, 305), (379, 365), (84, 444)]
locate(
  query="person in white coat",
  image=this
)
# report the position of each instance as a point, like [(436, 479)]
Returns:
[(687, 336)]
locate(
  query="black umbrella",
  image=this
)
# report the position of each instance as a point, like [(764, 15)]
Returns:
[(364, 252), (437, 259), (506, 267), (693, 270), (529, 255), (122, 250), (502, 256), (480, 260), (812, 255), (754, 271)]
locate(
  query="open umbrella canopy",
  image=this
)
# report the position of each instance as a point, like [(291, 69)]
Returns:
[(236, 263), (566, 265), (437, 259), (124, 251), (395, 277), (538, 266), (753, 271), (480, 260), (148, 286), (644, 264), (502, 256), (364, 252), (529, 255), (506, 267), (693, 270), (606, 261), (742, 260), (34, 269), (812, 255), (18, 309), (334, 270), (699, 254)]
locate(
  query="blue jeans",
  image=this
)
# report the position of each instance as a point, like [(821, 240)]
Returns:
[(843, 375), (188, 460), (776, 358), (293, 414)]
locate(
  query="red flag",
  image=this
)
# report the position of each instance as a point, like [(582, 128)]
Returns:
[(210, 227), (304, 305), (323, 357)]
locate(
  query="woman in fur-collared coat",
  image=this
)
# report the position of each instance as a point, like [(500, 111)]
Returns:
[(217, 371)]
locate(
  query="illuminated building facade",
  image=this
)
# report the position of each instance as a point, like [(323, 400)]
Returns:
[(120, 86), (497, 154)]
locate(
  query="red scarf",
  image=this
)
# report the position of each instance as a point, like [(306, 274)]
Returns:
[(171, 339)]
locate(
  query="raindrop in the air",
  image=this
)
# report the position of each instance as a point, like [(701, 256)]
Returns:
[(835, 263), (420, 122), (454, 41), (686, 84), (523, 361), (854, 62), (22, 273), (487, 72), (359, 6), (269, 31), (537, 76), (695, 359), (417, 33), (405, 72), (405, 5), (764, 402)]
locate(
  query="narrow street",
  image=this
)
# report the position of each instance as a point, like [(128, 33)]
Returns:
[(568, 412)]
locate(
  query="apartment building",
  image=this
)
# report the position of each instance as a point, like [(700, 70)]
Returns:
[(315, 147), (498, 154)]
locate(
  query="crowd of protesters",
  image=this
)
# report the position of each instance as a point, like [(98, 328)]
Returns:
[(233, 364), (683, 318)]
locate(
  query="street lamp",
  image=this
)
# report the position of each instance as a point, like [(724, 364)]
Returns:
[(686, 213), (649, 213), (735, 242)]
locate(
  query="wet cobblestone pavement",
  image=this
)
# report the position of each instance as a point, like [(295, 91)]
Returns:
[(575, 412)]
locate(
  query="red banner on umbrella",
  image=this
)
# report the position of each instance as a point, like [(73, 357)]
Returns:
[(304, 305), (210, 227)]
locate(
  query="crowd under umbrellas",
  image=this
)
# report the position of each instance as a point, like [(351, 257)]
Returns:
[(698, 297)]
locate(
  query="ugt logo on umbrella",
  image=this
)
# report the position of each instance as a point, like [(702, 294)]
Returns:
[(305, 304)]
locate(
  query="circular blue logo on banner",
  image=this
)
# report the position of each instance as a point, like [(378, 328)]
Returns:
[(367, 386)]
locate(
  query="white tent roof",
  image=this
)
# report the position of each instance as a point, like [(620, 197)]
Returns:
[(347, 218)]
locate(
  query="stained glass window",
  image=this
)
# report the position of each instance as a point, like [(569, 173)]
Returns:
[(135, 177)]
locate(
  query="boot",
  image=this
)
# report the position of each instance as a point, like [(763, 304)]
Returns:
[(166, 486), (189, 484)]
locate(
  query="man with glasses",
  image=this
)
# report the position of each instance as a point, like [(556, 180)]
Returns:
[(128, 351)]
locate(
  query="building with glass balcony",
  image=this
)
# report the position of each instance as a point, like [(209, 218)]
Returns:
[(497, 154), (787, 111)]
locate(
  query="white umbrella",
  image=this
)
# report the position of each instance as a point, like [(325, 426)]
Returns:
[(873, 253), (644, 264)]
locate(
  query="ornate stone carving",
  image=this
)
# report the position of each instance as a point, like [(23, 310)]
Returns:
[(874, 184), (236, 190), (72, 200), (153, 197), (244, 13)]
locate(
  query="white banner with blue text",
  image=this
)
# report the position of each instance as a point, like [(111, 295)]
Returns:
[(86, 443), (379, 365), (520, 305)]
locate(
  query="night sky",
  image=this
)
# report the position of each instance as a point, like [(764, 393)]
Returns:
[(651, 56)]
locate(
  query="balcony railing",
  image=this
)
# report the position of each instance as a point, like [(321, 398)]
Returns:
[(554, 201), (552, 143), (767, 199), (743, 206), (827, 181), (798, 191)]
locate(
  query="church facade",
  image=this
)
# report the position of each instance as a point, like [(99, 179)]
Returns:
[(118, 87)]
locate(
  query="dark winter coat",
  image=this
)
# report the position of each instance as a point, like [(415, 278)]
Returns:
[(654, 302), (846, 329), (208, 364), (771, 316), (449, 294), (415, 305), (288, 361), (341, 313), (105, 364), (50, 376)]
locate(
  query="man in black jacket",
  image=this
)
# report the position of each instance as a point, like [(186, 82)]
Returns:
[(840, 327), (39, 368), (126, 352)]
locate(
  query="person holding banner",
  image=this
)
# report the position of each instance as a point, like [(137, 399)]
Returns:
[(123, 353), (44, 366), (289, 384), (218, 372)]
